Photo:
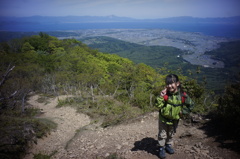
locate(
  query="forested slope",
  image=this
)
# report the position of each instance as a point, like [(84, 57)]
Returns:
[(155, 56), (171, 59), (44, 63)]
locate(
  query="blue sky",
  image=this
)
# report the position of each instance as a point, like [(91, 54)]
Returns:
[(139, 9)]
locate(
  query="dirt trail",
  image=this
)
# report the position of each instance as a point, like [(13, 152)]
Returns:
[(136, 139), (68, 122)]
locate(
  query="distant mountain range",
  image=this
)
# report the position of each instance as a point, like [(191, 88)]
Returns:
[(112, 18)]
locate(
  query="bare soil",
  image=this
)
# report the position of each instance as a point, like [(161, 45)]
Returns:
[(78, 137)]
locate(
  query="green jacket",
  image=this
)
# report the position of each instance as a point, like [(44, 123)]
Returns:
[(170, 110)]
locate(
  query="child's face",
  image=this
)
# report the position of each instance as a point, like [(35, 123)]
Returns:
[(173, 87)]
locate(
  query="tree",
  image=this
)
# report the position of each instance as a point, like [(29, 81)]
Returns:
[(27, 47), (3, 96)]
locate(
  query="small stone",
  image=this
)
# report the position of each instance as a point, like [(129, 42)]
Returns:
[(107, 154), (119, 147)]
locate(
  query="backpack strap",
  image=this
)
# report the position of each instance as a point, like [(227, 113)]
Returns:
[(165, 97), (183, 96)]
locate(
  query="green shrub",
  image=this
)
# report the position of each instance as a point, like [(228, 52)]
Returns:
[(17, 130), (41, 156), (44, 156)]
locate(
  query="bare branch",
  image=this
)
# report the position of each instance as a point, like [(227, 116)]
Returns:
[(115, 90), (23, 100), (12, 95), (5, 75), (101, 91)]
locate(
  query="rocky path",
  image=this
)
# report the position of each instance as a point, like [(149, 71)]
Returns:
[(135, 139), (68, 122)]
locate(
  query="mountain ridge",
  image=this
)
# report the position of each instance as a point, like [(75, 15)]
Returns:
[(113, 18)]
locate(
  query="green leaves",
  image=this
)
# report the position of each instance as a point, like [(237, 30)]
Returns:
[(61, 65)]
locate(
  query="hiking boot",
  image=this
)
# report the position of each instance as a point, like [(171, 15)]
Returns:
[(162, 153), (169, 149)]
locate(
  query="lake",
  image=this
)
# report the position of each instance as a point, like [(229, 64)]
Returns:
[(212, 29)]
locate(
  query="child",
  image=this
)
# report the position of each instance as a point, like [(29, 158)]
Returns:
[(170, 102)]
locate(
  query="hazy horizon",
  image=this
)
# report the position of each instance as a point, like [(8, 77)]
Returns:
[(114, 16), (137, 9)]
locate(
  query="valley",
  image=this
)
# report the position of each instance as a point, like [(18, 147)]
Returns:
[(194, 45)]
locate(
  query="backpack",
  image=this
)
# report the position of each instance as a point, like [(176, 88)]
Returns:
[(183, 96)]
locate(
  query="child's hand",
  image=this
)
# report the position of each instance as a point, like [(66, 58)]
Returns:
[(163, 92)]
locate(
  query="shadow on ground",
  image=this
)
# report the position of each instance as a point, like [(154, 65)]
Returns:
[(226, 137), (149, 145)]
